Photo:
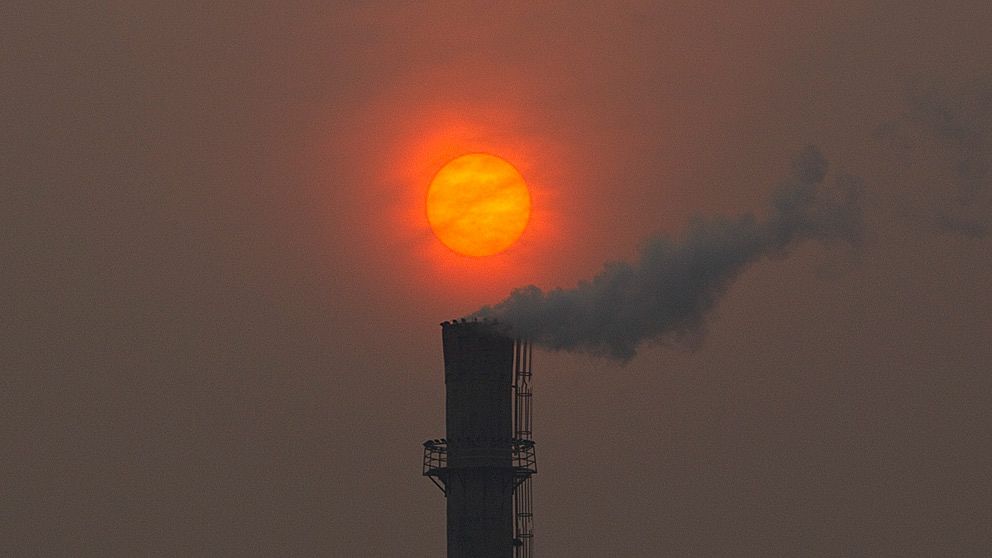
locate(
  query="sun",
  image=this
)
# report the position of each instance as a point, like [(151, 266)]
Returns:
[(478, 204)]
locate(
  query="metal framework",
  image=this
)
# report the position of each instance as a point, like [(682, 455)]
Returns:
[(436, 462), (524, 458)]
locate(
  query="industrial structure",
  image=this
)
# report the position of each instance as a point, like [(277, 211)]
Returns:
[(485, 463)]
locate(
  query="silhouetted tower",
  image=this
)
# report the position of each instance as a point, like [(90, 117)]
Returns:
[(485, 464)]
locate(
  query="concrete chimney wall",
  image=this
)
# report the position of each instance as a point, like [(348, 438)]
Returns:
[(478, 377)]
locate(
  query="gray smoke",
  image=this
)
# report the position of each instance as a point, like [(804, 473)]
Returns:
[(668, 291), (951, 129)]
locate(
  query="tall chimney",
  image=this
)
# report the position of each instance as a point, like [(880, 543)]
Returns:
[(483, 459)]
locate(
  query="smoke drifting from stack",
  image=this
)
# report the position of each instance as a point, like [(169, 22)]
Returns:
[(950, 130), (668, 291)]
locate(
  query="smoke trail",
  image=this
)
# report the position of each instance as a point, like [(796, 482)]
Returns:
[(952, 131), (668, 291)]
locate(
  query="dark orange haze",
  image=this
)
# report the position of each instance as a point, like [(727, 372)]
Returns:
[(221, 290)]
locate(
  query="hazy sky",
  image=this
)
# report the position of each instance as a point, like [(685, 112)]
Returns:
[(221, 298)]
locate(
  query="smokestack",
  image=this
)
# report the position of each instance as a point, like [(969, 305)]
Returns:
[(487, 457)]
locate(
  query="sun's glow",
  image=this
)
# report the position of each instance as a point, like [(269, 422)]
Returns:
[(478, 204)]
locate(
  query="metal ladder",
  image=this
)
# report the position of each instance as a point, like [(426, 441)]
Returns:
[(524, 460)]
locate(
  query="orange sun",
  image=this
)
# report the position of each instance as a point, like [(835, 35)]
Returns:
[(478, 204)]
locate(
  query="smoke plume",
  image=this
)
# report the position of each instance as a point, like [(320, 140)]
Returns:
[(950, 129), (668, 291)]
